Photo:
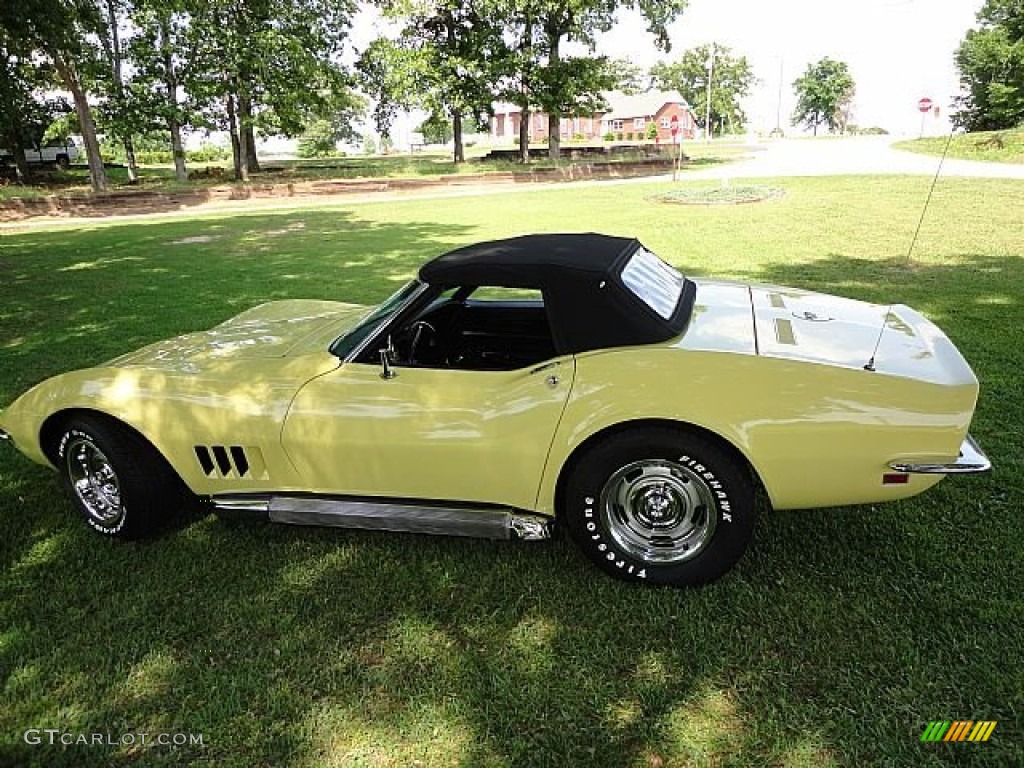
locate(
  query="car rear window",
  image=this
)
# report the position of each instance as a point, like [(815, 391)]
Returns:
[(655, 283)]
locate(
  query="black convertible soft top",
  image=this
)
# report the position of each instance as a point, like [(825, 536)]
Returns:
[(580, 276)]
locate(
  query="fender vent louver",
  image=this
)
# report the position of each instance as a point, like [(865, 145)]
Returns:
[(231, 461)]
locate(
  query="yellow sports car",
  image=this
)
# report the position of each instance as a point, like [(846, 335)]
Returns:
[(513, 383)]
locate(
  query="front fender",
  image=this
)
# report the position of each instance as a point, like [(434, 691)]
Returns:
[(241, 404)]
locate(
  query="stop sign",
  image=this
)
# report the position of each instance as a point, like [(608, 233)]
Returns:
[(674, 124), (924, 105)]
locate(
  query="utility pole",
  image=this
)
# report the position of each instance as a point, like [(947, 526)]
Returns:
[(707, 107), (778, 102)]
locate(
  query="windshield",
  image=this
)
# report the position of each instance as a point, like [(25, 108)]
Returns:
[(344, 346)]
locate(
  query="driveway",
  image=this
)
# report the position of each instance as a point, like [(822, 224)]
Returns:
[(840, 156)]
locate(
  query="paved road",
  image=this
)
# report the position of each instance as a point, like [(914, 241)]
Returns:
[(861, 155)]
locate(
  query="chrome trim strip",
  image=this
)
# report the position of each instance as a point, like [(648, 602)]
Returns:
[(971, 459)]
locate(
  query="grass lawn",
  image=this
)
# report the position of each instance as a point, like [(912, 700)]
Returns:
[(834, 643), (994, 146)]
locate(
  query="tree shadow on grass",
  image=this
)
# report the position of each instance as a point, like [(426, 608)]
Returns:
[(77, 297), (834, 642)]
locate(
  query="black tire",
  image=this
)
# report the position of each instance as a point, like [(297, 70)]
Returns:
[(117, 481), (660, 506)]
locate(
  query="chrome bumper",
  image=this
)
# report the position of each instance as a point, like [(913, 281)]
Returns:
[(971, 459)]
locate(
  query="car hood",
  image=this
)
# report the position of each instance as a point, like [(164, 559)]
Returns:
[(273, 330)]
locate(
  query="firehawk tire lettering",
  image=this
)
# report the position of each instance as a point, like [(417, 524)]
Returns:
[(707, 492)]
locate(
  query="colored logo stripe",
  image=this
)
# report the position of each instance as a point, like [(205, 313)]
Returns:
[(958, 730), (982, 731)]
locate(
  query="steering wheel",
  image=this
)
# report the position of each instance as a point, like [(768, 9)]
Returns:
[(421, 330)]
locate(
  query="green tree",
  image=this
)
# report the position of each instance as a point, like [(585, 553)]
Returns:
[(572, 85), (25, 110), (62, 35), (824, 95), (732, 77), (159, 51), (447, 60), (321, 137), (265, 65), (991, 64), (628, 77)]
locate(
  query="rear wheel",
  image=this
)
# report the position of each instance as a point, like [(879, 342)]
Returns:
[(116, 480), (661, 506)]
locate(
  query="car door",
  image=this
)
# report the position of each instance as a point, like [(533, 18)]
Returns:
[(429, 433)]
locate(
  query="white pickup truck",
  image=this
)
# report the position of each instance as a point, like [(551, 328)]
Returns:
[(63, 152)]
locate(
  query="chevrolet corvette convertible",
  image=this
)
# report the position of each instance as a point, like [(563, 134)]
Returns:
[(513, 384)]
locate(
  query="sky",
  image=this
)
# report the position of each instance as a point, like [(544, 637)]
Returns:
[(898, 51)]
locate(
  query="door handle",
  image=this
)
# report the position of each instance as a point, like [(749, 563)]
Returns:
[(544, 367)]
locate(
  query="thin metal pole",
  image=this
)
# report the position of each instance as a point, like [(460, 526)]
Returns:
[(707, 109)]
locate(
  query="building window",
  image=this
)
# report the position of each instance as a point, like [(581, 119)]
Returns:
[(616, 125), (639, 123), (665, 123)]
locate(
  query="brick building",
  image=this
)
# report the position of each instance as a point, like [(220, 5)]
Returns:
[(627, 117)]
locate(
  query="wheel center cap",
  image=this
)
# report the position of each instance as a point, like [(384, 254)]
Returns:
[(657, 503)]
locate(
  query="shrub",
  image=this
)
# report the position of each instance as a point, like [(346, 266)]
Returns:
[(609, 136)]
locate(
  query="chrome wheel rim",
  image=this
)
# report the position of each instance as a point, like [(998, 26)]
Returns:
[(658, 511), (94, 482)]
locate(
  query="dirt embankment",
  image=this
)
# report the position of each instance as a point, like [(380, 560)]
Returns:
[(132, 201)]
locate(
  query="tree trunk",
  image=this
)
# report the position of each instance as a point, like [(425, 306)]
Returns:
[(236, 150), (22, 170), (524, 102), (133, 167), (171, 82), (97, 173), (250, 138), (554, 136), (180, 172), (554, 114), (244, 147), (245, 126), (524, 133), (113, 49), (458, 150)]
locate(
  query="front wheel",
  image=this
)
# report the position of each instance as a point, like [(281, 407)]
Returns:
[(661, 506), (116, 480)]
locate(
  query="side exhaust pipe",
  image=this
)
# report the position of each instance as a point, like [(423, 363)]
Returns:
[(337, 512)]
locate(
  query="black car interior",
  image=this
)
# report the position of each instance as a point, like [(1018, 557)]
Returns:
[(483, 334)]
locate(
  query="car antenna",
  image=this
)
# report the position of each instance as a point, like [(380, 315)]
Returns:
[(870, 365)]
